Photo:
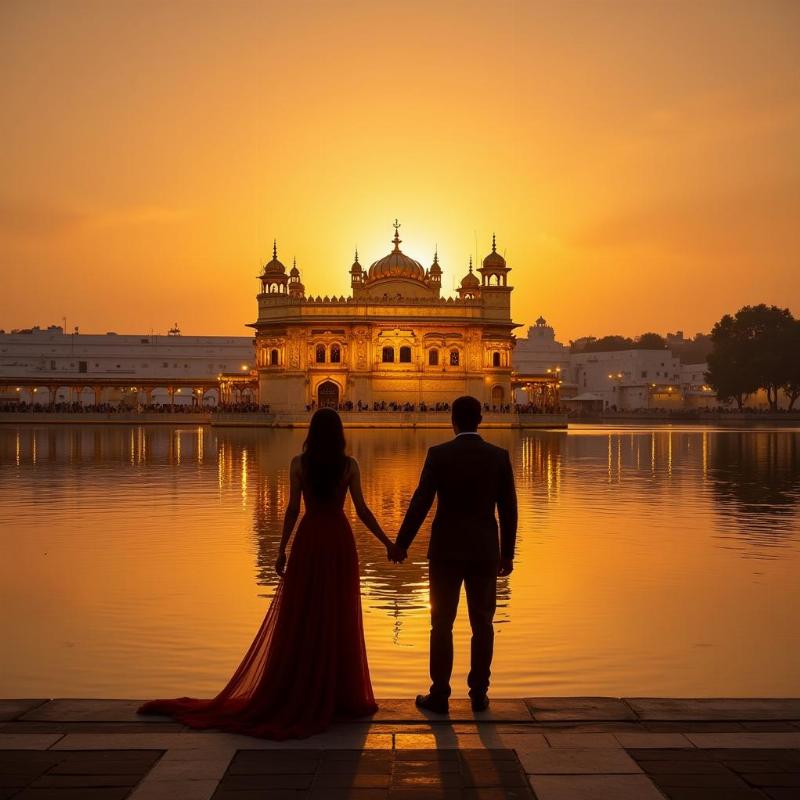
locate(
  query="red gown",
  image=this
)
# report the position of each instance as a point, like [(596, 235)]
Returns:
[(308, 663)]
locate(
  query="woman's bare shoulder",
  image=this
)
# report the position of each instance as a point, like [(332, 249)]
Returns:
[(296, 464)]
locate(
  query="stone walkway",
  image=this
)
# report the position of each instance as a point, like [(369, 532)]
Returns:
[(569, 748)]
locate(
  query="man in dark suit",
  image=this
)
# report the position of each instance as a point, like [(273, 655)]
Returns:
[(471, 478)]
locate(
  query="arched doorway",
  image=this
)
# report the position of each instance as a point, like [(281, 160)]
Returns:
[(497, 395), (328, 395)]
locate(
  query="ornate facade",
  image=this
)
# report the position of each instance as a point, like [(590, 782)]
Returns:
[(395, 339)]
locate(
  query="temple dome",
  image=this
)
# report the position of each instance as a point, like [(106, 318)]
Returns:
[(274, 267), (396, 265), (494, 260), (470, 280)]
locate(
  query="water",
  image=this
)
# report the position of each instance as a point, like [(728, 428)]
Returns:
[(137, 561)]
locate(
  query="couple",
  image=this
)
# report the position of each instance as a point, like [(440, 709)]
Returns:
[(308, 663)]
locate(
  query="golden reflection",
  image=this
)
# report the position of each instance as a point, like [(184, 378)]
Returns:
[(677, 529), (200, 444), (244, 477)]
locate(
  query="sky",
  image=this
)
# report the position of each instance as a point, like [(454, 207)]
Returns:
[(638, 161)]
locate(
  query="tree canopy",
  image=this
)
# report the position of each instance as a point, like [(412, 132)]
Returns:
[(756, 348)]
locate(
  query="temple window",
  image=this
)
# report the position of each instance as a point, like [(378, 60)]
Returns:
[(336, 354), (320, 354), (433, 357), (495, 359), (388, 355), (454, 358), (405, 355), (273, 357)]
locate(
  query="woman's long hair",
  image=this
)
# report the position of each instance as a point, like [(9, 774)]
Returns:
[(323, 458)]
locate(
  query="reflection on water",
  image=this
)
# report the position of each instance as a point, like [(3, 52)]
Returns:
[(138, 560)]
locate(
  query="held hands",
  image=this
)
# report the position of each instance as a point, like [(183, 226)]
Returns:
[(395, 553), (280, 563), (505, 567)]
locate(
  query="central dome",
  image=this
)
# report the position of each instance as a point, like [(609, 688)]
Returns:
[(396, 265)]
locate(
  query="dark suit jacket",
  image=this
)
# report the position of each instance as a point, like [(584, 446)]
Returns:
[(470, 477)]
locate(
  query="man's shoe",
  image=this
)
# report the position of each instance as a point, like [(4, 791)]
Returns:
[(428, 702), (480, 702)]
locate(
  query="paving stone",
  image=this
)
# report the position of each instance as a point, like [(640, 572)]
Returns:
[(683, 767), (657, 708), (460, 711), (21, 726), (207, 769), (126, 741), (673, 754), (594, 787), (490, 778), (770, 726), (175, 790), (57, 781), (67, 710), (579, 708), (582, 740), (593, 761), (11, 709), (425, 793), (693, 726), (267, 782), (717, 780), (31, 741), (275, 794), (752, 740), (767, 765), (427, 780), (489, 754), (77, 793), (415, 754), (648, 740), (434, 767), (781, 794), (709, 793), (763, 779), (337, 794)]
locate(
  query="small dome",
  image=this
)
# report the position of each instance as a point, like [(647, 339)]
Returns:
[(494, 260), (274, 267), (294, 272), (541, 322), (356, 269), (396, 265), (435, 268), (470, 280)]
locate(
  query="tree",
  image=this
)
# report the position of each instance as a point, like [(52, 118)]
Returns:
[(651, 341), (752, 350), (792, 386)]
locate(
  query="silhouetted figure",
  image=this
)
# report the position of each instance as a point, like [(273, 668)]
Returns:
[(308, 662), (471, 478)]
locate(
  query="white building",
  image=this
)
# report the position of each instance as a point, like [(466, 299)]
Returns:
[(540, 353), (46, 365), (540, 363), (629, 379)]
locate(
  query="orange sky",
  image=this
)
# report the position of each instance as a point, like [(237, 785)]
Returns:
[(640, 161)]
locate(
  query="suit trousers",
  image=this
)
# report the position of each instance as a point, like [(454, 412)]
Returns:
[(480, 585)]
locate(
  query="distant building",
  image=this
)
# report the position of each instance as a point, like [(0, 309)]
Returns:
[(46, 365), (541, 366), (394, 340), (629, 379)]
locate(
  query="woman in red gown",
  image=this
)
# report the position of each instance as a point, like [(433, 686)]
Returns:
[(308, 663)]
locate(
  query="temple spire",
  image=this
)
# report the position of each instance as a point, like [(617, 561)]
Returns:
[(396, 241), (275, 248), (494, 244)]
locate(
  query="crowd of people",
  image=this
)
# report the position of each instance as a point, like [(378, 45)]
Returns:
[(140, 408)]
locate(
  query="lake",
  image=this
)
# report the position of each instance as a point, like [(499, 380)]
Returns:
[(136, 561)]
